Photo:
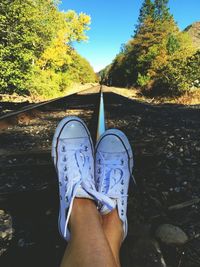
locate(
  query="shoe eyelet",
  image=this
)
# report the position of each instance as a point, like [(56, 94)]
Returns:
[(66, 198), (86, 148), (122, 212), (64, 159), (66, 178), (65, 168), (122, 202), (122, 182), (122, 162), (122, 191), (63, 149), (60, 184), (99, 161), (99, 171)]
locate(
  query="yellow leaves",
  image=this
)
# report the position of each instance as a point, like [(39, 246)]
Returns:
[(56, 54), (71, 28), (77, 25), (187, 48), (160, 61), (59, 64), (84, 19)]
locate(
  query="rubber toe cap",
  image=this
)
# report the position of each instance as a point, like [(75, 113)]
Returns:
[(73, 129)]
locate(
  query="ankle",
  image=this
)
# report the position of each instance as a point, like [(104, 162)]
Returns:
[(112, 217), (113, 225), (80, 203), (83, 207)]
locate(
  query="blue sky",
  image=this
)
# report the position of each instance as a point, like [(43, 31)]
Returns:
[(113, 24)]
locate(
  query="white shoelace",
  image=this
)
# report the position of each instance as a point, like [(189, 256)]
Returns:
[(112, 177), (80, 166)]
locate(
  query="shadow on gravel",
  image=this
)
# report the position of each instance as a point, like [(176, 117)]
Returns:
[(28, 183), (165, 140)]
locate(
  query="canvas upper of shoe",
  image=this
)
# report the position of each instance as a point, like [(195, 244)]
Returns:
[(113, 168)]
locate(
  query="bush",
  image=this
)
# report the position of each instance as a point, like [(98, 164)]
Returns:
[(178, 76), (143, 80), (48, 83)]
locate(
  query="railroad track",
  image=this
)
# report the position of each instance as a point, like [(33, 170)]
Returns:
[(28, 182), (166, 148), (25, 158)]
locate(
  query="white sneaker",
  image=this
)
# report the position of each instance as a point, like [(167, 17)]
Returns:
[(72, 153), (113, 168)]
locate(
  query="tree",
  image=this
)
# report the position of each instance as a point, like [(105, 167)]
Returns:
[(27, 28), (36, 45), (161, 9), (179, 75), (147, 10), (157, 52)]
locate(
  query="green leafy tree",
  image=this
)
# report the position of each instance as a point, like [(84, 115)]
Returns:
[(161, 9), (173, 44), (179, 75), (147, 10), (25, 32), (81, 70), (158, 49), (36, 45)]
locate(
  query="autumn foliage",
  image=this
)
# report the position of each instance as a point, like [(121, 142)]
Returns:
[(159, 56), (36, 48)]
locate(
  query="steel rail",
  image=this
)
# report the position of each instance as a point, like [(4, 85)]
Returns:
[(101, 127), (50, 186)]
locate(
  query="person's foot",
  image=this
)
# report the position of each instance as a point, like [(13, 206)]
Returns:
[(72, 153), (113, 168)]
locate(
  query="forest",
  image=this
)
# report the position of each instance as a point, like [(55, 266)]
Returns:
[(37, 54), (159, 59)]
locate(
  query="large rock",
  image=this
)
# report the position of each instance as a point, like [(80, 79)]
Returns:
[(171, 235), (145, 249)]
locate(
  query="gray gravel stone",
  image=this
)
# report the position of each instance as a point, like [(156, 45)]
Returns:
[(171, 235), (6, 231)]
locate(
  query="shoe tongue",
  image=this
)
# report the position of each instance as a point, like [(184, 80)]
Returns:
[(81, 193)]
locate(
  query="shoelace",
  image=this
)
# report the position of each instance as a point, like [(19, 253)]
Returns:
[(115, 168), (83, 177), (113, 177)]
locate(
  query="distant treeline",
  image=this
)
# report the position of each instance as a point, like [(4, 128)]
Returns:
[(36, 48), (159, 58)]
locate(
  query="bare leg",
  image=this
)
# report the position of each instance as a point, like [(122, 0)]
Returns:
[(113, 230), (88, 245)]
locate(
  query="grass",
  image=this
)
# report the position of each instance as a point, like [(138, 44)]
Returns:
[(33, 98), (190, 97)]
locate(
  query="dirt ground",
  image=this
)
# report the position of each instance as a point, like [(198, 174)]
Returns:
[(189, 98)]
